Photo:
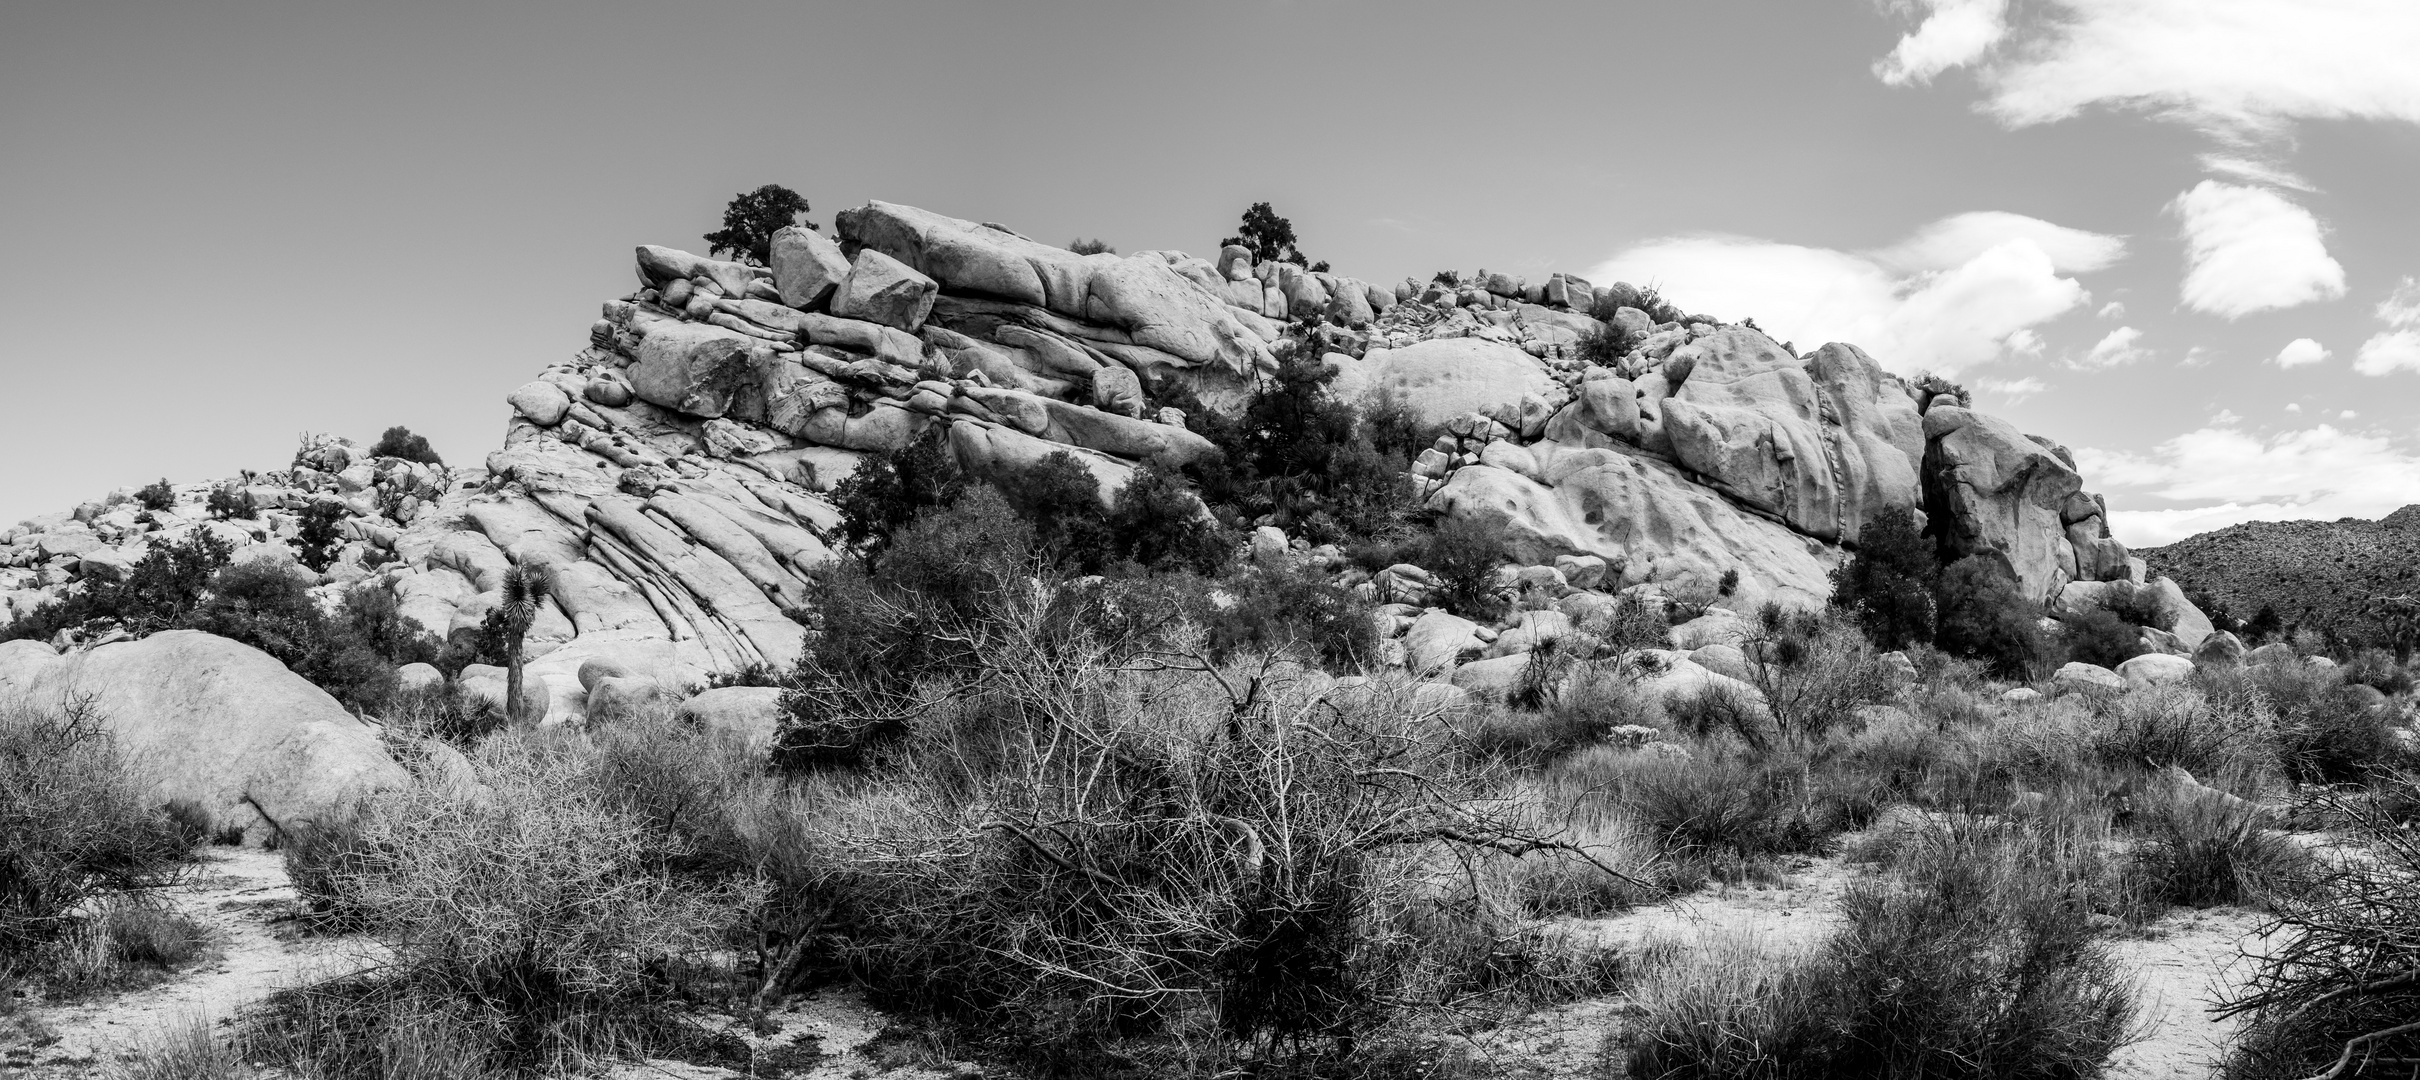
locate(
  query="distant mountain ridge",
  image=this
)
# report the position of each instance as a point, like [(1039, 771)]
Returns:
[(2315, 574)]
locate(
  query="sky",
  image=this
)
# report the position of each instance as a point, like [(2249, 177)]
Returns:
[(2180, 237)]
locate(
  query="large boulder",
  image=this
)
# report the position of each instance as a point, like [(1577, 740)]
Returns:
[(694, 368), (1141, 299), (807, 267), (2155, 669), (1448, 377), (2078, 675), (1825, 445), (1642, 513), (1437, 640), (881, 289), (753, 713), (1990, 490), (217, 722)]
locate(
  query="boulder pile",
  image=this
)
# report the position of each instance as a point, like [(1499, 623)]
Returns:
[(674, 474)]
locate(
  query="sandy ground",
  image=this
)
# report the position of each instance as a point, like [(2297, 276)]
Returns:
[(2183, 961), (2188, 960), (241, 895)]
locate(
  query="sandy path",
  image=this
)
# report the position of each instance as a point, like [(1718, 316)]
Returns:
[(2187, 962), (243, 897)]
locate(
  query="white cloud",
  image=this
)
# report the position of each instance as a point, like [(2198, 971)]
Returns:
[(2321, 473), (2238, 69), (2013, 390), (2348, 414), (2390, 352), (2293, 406), (2115, 348), (2401, 308), (2225, 417), (2248, 249), (2113, 310), (1962, 291), (2255, 170), (1957, 33), (2397, 349), (2195, 356), (2299, 352), (1959, 239)]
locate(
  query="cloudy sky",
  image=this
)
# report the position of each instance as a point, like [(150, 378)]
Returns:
[(2178, 236)]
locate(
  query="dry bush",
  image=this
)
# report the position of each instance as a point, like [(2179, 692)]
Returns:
[(1815, 672), (2340, 995), (187, 1051), (2197, 853), (529, 918), (1971, 958), (1732, 1007), (76, 827), (1090, 852), (2210, 732), (2328, 733)]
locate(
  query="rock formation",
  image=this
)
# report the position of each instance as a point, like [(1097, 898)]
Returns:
[(216, 722), (673, 474)]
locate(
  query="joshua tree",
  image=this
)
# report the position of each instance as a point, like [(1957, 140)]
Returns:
[(2401, 614), (525, 587)]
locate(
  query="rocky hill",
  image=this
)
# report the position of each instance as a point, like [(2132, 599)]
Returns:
[(674, 472), (2314, 574)]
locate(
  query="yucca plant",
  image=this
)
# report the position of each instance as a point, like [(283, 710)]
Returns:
[(524, 589)]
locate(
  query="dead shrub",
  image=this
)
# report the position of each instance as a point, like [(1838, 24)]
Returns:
[(1971, 958), (528, 916), (76, 827), (2339, 994)]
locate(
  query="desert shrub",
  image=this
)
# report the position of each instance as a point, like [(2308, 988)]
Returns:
[(890, 488), (76, 827), (898, 635), (159, 592), (316, 540), (400, 442), (188, 1051), (1270, 236), (228, 501), (1814, 672), (270, 608), (1717, 804), (2100, 637), (752, 217), (445, 712), (1393, 426), (1213, 852), (2339, 991), (1982, 615), (2327, 732), (1716, 709), (528, 909), (1158, 521), (1083, 246), (1059, 498), (1604, 346), (156, 495), (1970, 959), (2214, 733), (2378, 670), (1281, 605), (1465, 554), (2199, 854), (1632, 623)]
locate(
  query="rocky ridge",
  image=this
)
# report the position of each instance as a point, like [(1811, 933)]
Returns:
[(673, 474), (2314, 574)]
